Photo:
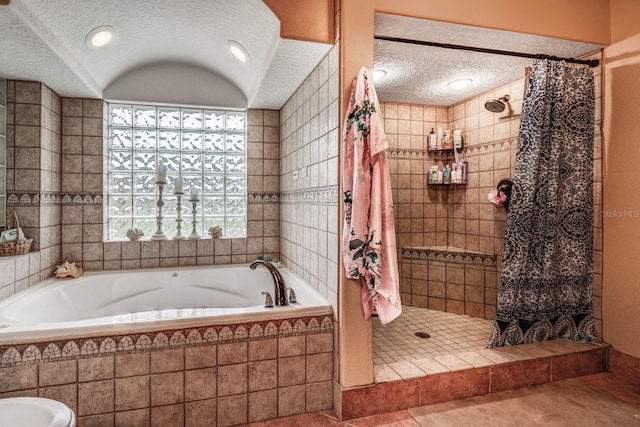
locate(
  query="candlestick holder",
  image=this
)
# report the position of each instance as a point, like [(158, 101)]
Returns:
[(194, 232), (159, 234), (179, 220)]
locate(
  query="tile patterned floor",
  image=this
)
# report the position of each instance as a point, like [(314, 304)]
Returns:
[(449, 334)]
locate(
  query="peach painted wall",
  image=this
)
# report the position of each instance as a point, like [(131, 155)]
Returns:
[(310, 20), (582, 20), (621, 209)]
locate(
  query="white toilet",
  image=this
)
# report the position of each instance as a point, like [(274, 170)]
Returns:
[(35, 412)]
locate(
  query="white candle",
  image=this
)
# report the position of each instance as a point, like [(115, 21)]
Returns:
[(193, 194), (178, 186), (161, 173)]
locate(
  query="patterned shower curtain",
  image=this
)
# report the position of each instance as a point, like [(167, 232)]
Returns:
[(547, 269)]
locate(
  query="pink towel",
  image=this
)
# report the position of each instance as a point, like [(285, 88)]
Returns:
[(368, 239)]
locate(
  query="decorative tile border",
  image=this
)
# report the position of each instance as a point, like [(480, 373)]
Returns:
[(53, 199), (263, 198), (319, 196), (426, 254), (19, 354)]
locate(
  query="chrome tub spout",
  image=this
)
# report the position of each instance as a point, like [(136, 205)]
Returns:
[(279, 287)]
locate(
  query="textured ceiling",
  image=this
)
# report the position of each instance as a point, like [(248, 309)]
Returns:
[(45, 41), (420, 74)]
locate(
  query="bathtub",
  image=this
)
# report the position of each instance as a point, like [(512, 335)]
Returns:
[(150, 299)]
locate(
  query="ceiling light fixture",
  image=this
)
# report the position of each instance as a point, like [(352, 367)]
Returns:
[(238, 51), (378, 74), (99, 36), (459, 84)]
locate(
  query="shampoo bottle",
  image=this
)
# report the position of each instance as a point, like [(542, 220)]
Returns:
[(446, 175), (439, 139), (433, 140), (458, 139), (459, 174)]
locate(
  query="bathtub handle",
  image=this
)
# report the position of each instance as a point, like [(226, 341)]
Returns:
[(268, 302), (292, 297)]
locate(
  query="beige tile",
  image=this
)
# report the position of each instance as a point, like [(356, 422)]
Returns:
[(496, 356), (201, 413), (167, 388), (263, 375), (475, 359), (430, 366), (137, 418), (291, 370), (232, 410), (18, 378), (319, 367), (452, 362), (319, 396), (67, 394), (263, 349), (263, 405), (200, 357), (132, 364), (406, 369), (96, 397), (172, 415), (56, 373), (167, 360), (95, 368), (232, 353), (132, 393), (232, 379), (384, 373), (291, 346), (200, 384), (105, 420), (291, 400)]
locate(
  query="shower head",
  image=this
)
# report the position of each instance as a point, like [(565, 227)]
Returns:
[(497, 105)]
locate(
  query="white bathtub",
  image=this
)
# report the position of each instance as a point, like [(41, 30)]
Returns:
[(146, 299)]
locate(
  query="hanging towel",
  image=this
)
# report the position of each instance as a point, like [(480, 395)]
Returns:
[(368, 239)]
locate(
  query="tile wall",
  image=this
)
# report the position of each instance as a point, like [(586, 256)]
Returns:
[(461, 217), (213, 375), (61, 202), (309, 163), (33, 181)]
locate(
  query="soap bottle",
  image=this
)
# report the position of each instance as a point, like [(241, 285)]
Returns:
[(447, 144), (446, 175), (433, 175), (433, 140), (439, 179), (458, 139), (454, 173), (459, 174)]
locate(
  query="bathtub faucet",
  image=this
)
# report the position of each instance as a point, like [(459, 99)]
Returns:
[(279, 287)]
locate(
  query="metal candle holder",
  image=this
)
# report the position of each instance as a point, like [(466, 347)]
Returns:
[(194, 232), (179, 235), (159, 234)]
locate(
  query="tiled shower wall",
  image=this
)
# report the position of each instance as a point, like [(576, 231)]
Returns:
[(57, 161), (462, 217), (309, 179), (33, 181)]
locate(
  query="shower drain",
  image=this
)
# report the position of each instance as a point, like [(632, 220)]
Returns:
[(422, 335)]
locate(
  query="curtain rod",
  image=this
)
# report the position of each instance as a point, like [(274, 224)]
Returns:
[(590, 62)]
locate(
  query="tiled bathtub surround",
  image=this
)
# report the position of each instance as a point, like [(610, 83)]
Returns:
[(227, 375), (309, 162), (449, 279), (33, 176), (461, 216), (66, 207)]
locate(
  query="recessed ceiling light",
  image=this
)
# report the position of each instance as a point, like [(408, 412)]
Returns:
[(238, 51), (459, 84), (99, 36), (378, 74)]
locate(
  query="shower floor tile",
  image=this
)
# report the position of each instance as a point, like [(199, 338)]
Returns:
[(450, 334)]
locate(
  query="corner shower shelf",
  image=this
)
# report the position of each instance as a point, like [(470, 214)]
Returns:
[(443, 185)]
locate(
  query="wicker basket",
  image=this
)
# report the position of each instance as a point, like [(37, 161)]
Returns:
[(15, 247)]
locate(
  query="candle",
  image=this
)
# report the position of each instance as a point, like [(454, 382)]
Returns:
[(161, 173), (178, 186), (193, 194)]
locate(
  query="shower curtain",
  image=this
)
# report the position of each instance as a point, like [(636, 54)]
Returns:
[(546, 278)]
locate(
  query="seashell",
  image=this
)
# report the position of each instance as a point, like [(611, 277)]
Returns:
[(68, 270)]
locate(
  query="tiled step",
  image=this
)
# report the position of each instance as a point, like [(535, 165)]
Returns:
[(408, 384)]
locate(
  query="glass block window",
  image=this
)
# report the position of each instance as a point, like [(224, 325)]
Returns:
[(207, 148)]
